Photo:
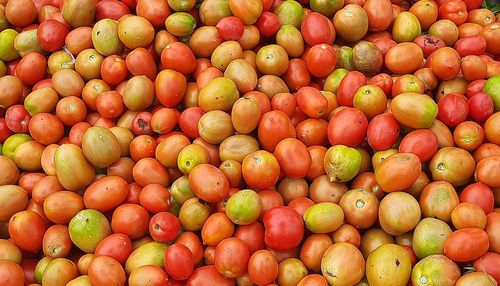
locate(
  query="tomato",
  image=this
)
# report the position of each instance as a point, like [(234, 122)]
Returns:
[(51, 35), (316, 29), (429, 44), (104, 270), (179, 57), (22, 222), (117, 246), (274, 126), (231, 257), (488, 263), (179, 262), (453, 109), (12, 273), (130, 219), (445, 63), (209, 183), (141, 62), (263, 267), (423, 143), (208, 276), (275, 221), (268, 24), (455, 10), (404, 58), (230, 28), (383, 132), (458, 248), (17, 119), (481, 107), (321, 60), (348, 87), (472, 45), (111, 9), (252, 234), (347, 127), (164, 227)]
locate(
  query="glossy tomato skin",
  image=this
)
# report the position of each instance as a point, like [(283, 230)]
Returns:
[(208, 276), (481, 107), (471, 45), (17, 119), (179, 262), (422, 143), (454, 10), (31, 69), (117, 246), (479, 194), (268, 24), (348, 87), (111, 9), (459, 248), (164, 227), (347, 127), (453, 109), (284, 228), (383, 132), (230, 28), (51, 35), (316, 29), (429, 43)]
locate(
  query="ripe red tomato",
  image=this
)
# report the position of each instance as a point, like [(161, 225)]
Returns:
[(471, 45), (26, 230), (294, 157), (164, 227), (51, 35), (422, 143), (348, 87), (317, 29), (117, 246), (284, 228), (454, 10), (179, 262), (263, 267), (5, 132), (453, 109), (31, 68), (321, 60), (113, 68), (489, 263), (208, 276), (230, 28), (481, 107), (383, 132), (179, 57), (268, 24), (312, 102), (252, 234), (480, 194), (231, 257), (459, 248), (112, 9), (17, 119), (347, 127)]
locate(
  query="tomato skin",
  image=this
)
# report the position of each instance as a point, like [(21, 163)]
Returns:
[(422, 143), (31, 68), (347, 127), (472, 4), (170, 86), (252, 234), (295, 77), (453, 109), (481, 107), (113, 69), (230, 28), (179, 261), (231, 257), (111, 9), (208, 276), (316, 29), (458, 246), (489, 263), (26, 230), (284, 228), (117, 246), (321, 60), (263, 267), (179, 57), (293, 157), (268, 24), (383, 132), (51, 35), (454, 10), (471, 45), (348, 87), (141, 62), (312, 102), (480, 194), (429, 43), (384, 81), (164, 227)]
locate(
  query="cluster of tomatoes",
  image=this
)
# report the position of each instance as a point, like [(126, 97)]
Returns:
[(249, 142)]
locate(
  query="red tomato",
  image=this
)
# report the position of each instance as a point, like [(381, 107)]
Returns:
[(231, 257), (383, 132), (188, 121), (453, 109), (5, 132), (284, 228), (317, 29), (208, 276), (347, 127), (471, 45), (26, 230), (429, 44), (312, 102), (164, 227), (422, 143), (141, 62), (454, 10), (473, 4), (117, 246), (296, 76), (384, 81), (112, 9), (321, 60), (51, 35), (263, 267), (179, 57), (480, 194), (252, 234), (268, 24), (348, 87), (179, 262), (31, 69), (130, 219), (489, 263), (17, 119), (474, 87), (294, 157), (481, 107), (113, 68), (230, 28), (459, 248)]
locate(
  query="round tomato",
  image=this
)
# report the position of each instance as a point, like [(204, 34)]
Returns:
[(284, 228), (179, 262)]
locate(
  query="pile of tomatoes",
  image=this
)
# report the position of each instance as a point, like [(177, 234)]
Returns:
[(249, 142)]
